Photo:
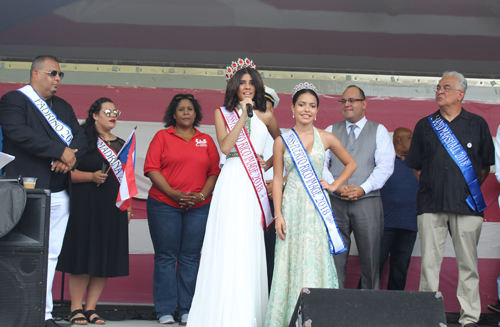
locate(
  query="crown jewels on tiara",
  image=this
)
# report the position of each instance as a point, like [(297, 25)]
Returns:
[(237, 65), (304, 86)]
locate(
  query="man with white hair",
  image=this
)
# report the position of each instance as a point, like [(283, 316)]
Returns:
[(451, 153)]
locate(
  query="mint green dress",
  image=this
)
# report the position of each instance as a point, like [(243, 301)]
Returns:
[(303, 259)]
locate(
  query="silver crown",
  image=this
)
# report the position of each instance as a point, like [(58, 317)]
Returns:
[(304, 86)]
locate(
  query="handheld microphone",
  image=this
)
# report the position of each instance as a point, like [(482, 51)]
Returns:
[(249, 110)]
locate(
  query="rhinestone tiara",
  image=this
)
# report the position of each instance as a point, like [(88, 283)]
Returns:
[(304, 86), (237, 65)]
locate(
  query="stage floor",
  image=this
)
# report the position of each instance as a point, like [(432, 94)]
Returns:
[(143, 315)]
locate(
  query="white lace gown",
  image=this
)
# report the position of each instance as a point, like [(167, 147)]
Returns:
[(231, 289)]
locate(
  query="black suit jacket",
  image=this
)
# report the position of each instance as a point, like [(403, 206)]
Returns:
[(29, 137)]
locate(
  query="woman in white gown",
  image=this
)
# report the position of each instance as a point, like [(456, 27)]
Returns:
[(231, 289)]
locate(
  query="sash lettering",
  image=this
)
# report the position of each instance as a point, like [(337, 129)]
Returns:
[(61, 129), (313, 186), (110, 155), (475, 199), (251, 163)]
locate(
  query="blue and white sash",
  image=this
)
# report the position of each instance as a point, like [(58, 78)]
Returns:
[(61, 129), (475, 199), (111, 157), (314, 189)]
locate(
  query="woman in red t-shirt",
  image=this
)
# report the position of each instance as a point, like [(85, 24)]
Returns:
[(182, 164)]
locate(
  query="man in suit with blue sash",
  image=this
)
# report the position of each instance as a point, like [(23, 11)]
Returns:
[(42, 132), (451, 153)]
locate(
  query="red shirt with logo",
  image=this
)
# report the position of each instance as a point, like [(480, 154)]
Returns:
[(185, 165)]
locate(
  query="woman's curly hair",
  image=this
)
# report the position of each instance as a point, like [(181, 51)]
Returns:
[(89, 124), (169, 119)]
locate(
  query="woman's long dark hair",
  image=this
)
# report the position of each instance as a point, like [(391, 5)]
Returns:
[(231, 98), (89, 124), (169, 119)]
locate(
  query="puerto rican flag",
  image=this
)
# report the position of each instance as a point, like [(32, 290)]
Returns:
[(127, 185)]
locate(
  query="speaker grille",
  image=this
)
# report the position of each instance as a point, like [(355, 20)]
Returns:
[(22, 289)]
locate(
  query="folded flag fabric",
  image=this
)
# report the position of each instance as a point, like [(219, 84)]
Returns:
[(127, 185)]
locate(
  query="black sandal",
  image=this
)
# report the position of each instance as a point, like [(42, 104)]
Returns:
[(78, 320), (89, 314)]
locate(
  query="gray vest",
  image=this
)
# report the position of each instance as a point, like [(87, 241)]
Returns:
[(362, 150)]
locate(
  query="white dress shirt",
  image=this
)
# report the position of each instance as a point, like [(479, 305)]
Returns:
[(384, 157), (497, 158)]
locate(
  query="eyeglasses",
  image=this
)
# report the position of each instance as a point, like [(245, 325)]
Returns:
[(184, 96), (53, 73), (350, 100), (446, 88), (108, 112)]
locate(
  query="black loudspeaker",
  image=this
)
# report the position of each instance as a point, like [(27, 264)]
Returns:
[(320, 307), (23, 264)]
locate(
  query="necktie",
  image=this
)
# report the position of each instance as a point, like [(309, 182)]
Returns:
[(352, 137)]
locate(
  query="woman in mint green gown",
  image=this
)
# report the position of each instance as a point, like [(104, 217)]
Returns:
[(302, 255)]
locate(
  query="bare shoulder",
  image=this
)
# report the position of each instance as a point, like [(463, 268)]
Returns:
[(328, 138), (324, 134), (218, 115), (278, 144)]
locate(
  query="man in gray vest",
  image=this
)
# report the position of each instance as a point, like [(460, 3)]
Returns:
[(357, 205)]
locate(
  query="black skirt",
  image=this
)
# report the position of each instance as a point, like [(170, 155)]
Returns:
[(96, 239)]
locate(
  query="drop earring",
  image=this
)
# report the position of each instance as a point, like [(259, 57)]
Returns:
[(293, 114)]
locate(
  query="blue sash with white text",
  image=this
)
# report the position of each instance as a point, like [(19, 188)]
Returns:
[(475, 199), (314, 189), (61, 129)]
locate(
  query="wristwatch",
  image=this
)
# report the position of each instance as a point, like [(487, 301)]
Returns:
[(202, 197)]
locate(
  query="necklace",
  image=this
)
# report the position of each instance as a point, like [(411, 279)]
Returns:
[(106, 140)]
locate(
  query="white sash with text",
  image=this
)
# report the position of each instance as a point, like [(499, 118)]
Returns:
[(251, 163), (110, 155), (61, 129)]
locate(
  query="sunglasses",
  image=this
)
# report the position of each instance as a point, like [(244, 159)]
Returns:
[(184, 96), (108, 112), (53, 73)]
